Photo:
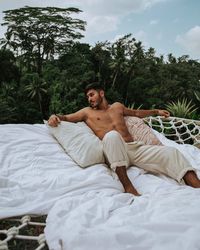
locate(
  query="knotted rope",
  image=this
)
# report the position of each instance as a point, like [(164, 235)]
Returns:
[(178, 129)]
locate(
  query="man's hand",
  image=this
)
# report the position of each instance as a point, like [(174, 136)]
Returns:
[(53, 120), (164, 113)]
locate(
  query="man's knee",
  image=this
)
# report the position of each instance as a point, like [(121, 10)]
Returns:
[(112, 135), (115, 150)]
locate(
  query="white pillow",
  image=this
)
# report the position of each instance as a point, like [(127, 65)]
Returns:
[(141, 131), (79, 141)]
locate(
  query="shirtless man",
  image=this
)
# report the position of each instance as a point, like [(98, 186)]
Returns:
[(107, 122)]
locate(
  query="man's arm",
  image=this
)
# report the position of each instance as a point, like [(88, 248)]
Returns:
[(78, 116), (141, 113)]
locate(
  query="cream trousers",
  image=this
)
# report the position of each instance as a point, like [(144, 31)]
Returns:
[(152, 158)]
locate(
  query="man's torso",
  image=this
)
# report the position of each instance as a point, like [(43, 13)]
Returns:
[(103, 121)]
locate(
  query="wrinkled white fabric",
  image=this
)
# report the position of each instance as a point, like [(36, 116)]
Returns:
[(87, 208)]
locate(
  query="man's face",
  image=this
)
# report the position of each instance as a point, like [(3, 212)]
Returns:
[(94, 97)]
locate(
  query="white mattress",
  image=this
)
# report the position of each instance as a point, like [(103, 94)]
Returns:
[(87, 208)]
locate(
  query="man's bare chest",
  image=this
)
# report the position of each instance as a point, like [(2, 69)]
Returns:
[(100, 116), (106, 117)]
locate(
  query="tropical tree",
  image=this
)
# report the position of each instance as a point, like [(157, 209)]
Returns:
[(37, 33), (101, 58), (171, 59), (35, 87), (9, 70), (119, 53), (7, 110)]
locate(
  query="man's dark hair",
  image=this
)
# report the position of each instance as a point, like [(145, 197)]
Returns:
[(94, 85)]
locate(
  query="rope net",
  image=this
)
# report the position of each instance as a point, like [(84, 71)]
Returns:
[(25, 234), (183, 131)]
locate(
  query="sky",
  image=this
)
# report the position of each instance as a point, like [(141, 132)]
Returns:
[(169, 26)]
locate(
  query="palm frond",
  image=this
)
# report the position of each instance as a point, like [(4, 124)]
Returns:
[(182, 108)]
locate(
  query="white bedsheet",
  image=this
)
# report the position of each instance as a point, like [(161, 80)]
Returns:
[(87, 208)]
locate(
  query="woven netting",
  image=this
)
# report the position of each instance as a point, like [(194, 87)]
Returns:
[(23, 233), (178, 129)]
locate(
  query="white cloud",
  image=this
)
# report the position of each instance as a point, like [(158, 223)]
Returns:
[(102, 16), (153, 22), (190, 41), (116, 38), (102, 24), (114, 7), (105, 15)]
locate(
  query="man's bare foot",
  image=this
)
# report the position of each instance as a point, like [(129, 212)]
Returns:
[(191, 179), (132, 190)]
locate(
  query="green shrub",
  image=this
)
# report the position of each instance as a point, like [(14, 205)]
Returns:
[(182, 108)]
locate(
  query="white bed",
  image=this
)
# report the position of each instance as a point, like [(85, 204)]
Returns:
[(87, 208)]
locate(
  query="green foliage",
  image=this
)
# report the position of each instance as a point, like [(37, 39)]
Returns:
[(35, 87), (37, 33), (133, 106), (100, 58), (197, 95), (182, 108), (113, 96), (35, 84), (7, 110), (9, 71)]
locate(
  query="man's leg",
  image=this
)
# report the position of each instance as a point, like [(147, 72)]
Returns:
[(127, 184), (191, 179), (163, 160), (115, 151)]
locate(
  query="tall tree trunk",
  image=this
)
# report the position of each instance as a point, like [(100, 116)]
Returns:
[(114, 80)]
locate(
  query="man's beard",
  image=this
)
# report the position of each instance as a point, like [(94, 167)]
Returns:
[(96, 104)]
